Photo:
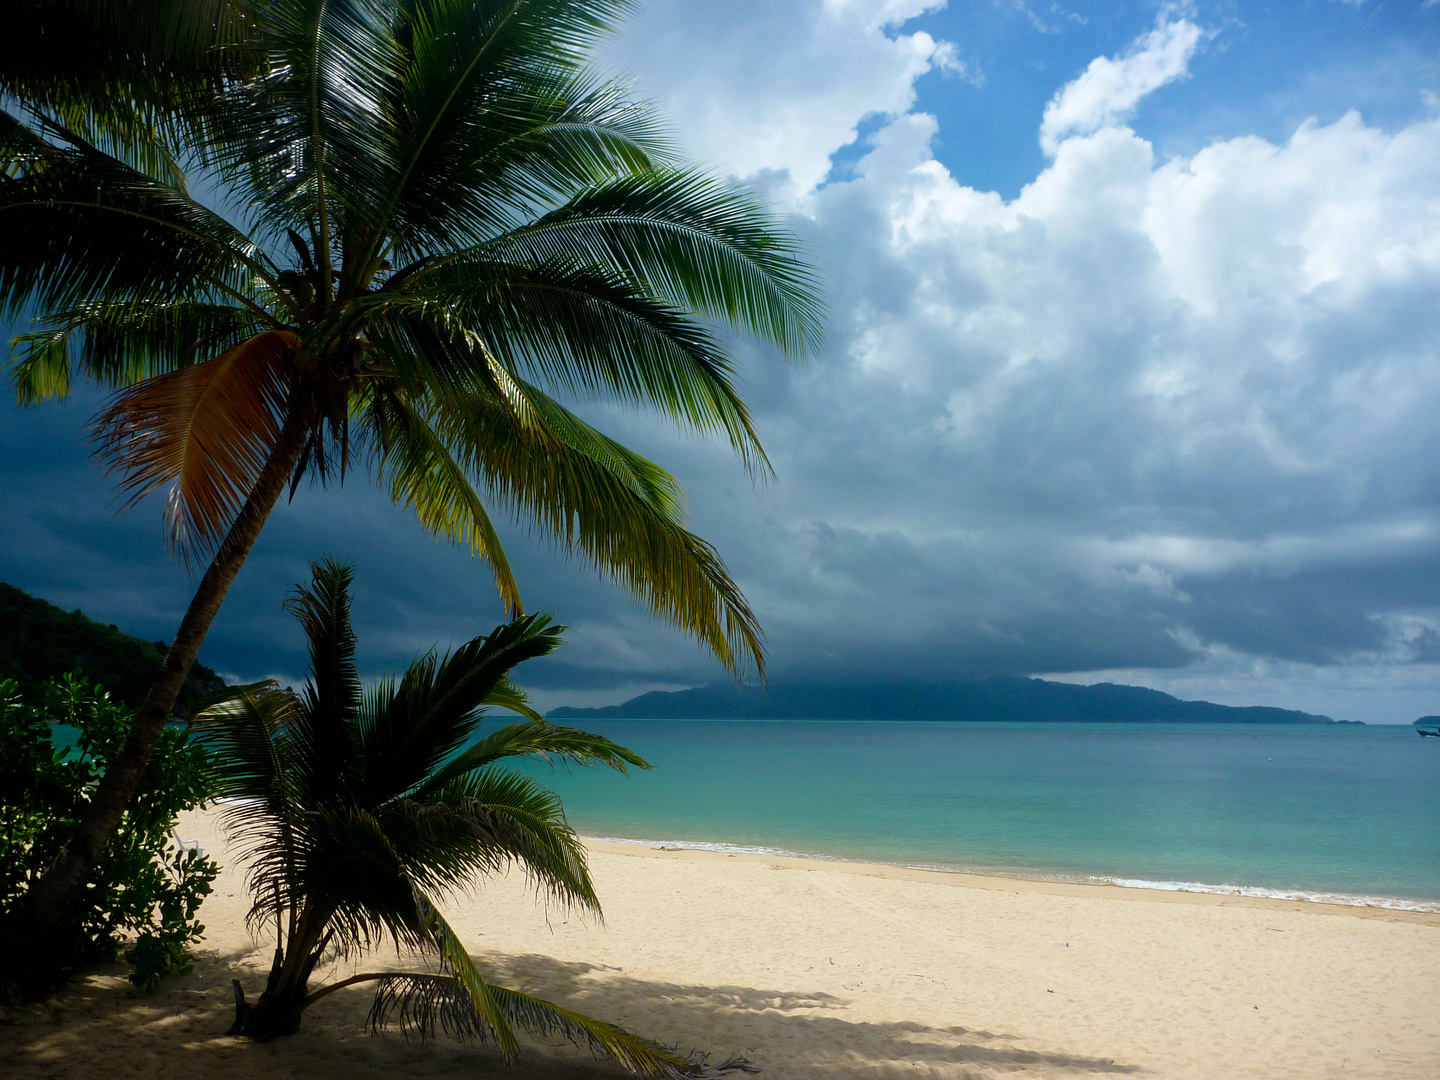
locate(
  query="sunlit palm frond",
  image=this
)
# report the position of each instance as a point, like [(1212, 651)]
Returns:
[(612, 517), (506, 695), (698, 243), (485, 822), (537, 738), (422, 474), (579, 328), (40, 365), (207, 429)]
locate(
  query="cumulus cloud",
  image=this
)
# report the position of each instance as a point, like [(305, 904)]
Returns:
[(763, 88), (1111, 87)]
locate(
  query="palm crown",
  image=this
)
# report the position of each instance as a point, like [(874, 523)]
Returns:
[(398, 229), (359, 810)]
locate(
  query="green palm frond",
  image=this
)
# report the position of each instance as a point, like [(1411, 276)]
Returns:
[(506, 695), (463, 1005), (537, 738), (484, 824), (423, 720), (249, 733), (612, 507), (332, 695), (594, 333), (119, 343), (697, 243), (77, 225), (421, 473)]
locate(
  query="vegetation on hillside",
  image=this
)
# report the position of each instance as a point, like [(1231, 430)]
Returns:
[(40, 643)]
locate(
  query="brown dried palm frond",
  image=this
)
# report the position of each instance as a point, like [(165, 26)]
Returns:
[(207, 429)]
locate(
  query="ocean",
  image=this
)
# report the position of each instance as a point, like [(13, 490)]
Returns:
[(1340, 814)]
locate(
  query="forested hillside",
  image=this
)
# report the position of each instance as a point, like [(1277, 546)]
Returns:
[(39, 641)]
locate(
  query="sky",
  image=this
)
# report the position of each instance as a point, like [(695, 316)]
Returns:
[(1132, 366)]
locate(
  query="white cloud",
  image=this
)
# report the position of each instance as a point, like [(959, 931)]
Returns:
[(1166, 410), (1110, 88), (757, 86)]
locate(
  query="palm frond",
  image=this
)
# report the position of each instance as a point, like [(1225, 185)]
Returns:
[(120, 343), (595, 333), (434, 708), (207, 429), (612, 508), (332, 694), (40, 365), (422, 474), (541, 739), (78, 225), (248, 732), (698, 243), (506, 695), (483, 823)]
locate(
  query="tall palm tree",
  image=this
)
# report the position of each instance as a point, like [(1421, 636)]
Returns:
[(357, 810), (386, 231)]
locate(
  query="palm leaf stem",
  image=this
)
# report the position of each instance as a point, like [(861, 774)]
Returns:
[(322, 253), (326, 991), (384, 220)]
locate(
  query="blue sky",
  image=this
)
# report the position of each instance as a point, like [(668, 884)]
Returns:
[(1133, 360)]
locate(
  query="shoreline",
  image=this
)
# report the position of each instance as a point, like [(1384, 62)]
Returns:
[(997, 878)]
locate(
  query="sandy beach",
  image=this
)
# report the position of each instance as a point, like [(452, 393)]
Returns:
[(817, 968)]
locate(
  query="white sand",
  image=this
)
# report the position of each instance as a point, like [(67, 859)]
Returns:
[(831, 969)]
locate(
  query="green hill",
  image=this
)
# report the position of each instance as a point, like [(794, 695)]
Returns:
[(1002, 698), (39, 641)]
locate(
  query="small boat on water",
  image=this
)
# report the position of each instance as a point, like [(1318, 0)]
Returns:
[(1428, 726), (1423, 733)]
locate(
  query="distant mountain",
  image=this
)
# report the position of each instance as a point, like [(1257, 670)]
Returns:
[(39, 641), (1012, 699)]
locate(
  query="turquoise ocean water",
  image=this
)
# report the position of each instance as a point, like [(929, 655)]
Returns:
[(1337, 813)]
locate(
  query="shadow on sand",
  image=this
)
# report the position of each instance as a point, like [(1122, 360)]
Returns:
[(103, 1028)]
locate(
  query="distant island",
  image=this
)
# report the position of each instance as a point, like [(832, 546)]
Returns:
[(40, 642), (995, 699)]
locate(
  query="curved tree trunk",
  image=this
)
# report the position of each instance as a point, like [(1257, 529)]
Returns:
[(42, 920)]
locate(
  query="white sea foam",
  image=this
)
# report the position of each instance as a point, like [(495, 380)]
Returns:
[(1306, 895)]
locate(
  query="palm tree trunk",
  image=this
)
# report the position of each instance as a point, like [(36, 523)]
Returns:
[(43, 918)]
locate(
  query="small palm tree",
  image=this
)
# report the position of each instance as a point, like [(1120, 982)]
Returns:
[(358, 809)]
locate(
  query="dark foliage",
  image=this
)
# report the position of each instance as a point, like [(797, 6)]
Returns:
[(145, 887), (40, 642)]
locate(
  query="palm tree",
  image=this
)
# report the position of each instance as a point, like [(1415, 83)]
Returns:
[(388, 231), (357, 809)]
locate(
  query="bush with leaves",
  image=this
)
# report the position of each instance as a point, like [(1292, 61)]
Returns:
[(144, 887)]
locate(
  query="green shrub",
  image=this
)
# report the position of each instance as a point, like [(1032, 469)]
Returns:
[(144, 887)]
